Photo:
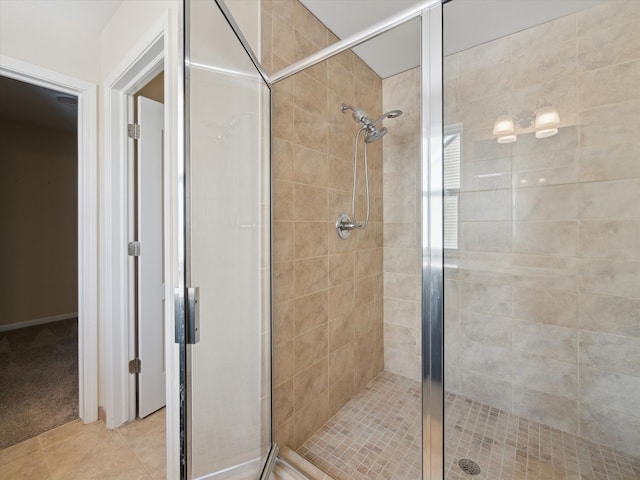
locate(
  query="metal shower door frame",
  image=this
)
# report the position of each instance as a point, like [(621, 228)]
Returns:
[(432, 238), (185, 295), (430, 12), (431, 160)]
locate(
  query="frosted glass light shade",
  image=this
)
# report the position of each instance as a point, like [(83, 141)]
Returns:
[(507, 139), (546, 117), (504, 125), (547, 132)]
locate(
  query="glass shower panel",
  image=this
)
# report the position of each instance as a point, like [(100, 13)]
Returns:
[(228, 377), (347, 311), (542, 250)]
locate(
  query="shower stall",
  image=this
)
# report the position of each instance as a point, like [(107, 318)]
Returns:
[(447, 290)]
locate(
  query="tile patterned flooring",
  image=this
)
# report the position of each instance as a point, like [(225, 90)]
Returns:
[(511, 447), (377, 436), (135, 451)]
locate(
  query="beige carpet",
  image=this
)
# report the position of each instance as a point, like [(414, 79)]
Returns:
[(38, 380)]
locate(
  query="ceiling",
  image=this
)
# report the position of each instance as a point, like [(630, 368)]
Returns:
[(32, 105), (91, 14), (466, 23)]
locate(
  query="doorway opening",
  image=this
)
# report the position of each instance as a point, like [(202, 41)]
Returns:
[(147, 247), (39, 368)]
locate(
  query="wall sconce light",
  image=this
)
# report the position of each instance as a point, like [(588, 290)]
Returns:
[(545, 120), (505, 129)]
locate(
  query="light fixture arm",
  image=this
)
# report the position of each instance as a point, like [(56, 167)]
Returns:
[(525, 119)]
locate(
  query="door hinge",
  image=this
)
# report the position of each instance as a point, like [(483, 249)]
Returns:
[(134, 249), (133, 131), (187, 317), (135, 366), (193, 315)]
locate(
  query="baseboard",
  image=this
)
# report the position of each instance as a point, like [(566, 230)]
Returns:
[(37, 321)]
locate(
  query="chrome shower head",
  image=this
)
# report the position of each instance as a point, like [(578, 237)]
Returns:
[(391, 114), (375, 134)]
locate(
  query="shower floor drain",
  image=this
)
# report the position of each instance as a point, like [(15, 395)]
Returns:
[(469, 466)]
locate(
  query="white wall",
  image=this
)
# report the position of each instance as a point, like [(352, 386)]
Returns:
[(39, 249), (128, 26), (37, 35)]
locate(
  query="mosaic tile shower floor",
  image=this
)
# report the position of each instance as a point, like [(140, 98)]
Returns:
[(377, 436)]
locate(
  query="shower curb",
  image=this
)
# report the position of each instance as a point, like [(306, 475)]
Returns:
[(301, 465)]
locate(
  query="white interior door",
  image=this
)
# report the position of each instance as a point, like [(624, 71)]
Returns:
[(152, 377)]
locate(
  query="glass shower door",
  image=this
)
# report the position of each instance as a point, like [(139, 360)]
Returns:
[(226, 358), (542, 221)]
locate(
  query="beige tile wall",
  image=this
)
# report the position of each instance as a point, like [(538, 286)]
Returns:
[(543, 306), (401, 187), (328, 308)]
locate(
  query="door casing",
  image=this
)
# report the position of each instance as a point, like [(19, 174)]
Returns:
[(159, 49), (87, 221)]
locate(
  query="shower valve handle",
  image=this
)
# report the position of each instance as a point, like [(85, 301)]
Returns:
[(348, 226), (344, 226)]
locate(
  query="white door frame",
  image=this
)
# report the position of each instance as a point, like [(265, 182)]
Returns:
[(143, 65), (159, 49), (87, 219)]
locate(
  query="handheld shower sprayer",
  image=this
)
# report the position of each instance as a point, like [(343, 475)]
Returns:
[(391, 114), (344, 223)]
